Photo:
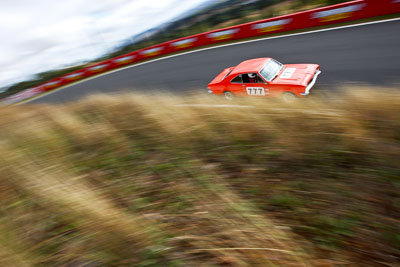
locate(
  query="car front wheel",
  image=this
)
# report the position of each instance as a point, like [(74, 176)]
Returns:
[(288, 97)]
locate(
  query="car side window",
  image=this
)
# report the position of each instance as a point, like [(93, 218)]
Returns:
[(237, 79), (245, 78), (251, 78), (259, 79)]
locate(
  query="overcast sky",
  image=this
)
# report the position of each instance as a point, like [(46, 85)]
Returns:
[(40, 35)]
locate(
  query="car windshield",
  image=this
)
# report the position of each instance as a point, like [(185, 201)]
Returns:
[(271, 69)]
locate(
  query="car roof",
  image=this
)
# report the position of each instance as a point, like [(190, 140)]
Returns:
[(251, 65)]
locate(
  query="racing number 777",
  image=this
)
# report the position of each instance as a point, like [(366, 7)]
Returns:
[(255, 90)]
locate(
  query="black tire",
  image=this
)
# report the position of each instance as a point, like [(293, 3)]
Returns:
[(229, 95), (288, 97)]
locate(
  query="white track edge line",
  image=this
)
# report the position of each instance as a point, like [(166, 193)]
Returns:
[(209, 48)]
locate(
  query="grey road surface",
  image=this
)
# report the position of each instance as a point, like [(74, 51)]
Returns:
[(368, 54)]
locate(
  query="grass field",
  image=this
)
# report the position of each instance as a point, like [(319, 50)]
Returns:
[(161, 180)]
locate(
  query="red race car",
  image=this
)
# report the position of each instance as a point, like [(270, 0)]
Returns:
[(265, 77)]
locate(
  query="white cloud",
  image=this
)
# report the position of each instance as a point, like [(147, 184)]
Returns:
[(42, 35)]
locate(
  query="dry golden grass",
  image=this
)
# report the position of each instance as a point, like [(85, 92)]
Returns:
[(145, 180)]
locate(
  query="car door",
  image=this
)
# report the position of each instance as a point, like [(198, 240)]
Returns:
[(236, 86)]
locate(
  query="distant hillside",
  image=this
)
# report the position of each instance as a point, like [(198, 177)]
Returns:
[(218, 15)]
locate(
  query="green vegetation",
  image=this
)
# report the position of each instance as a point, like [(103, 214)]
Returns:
[(142, 180)]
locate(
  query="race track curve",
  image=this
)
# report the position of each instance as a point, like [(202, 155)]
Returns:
[(368, 54)]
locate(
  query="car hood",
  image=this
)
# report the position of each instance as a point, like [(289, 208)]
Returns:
[(296, 74)]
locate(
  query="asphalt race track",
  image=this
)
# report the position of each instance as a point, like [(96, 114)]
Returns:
[(368, 54)]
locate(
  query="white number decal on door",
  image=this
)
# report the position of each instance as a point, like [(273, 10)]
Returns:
[(256, 91)]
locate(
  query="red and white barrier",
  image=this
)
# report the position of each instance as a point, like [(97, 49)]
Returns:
[(22, 96), (349, 11)]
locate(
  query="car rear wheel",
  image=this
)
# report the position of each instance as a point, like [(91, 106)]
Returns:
[(229, 96), (288, 97)]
